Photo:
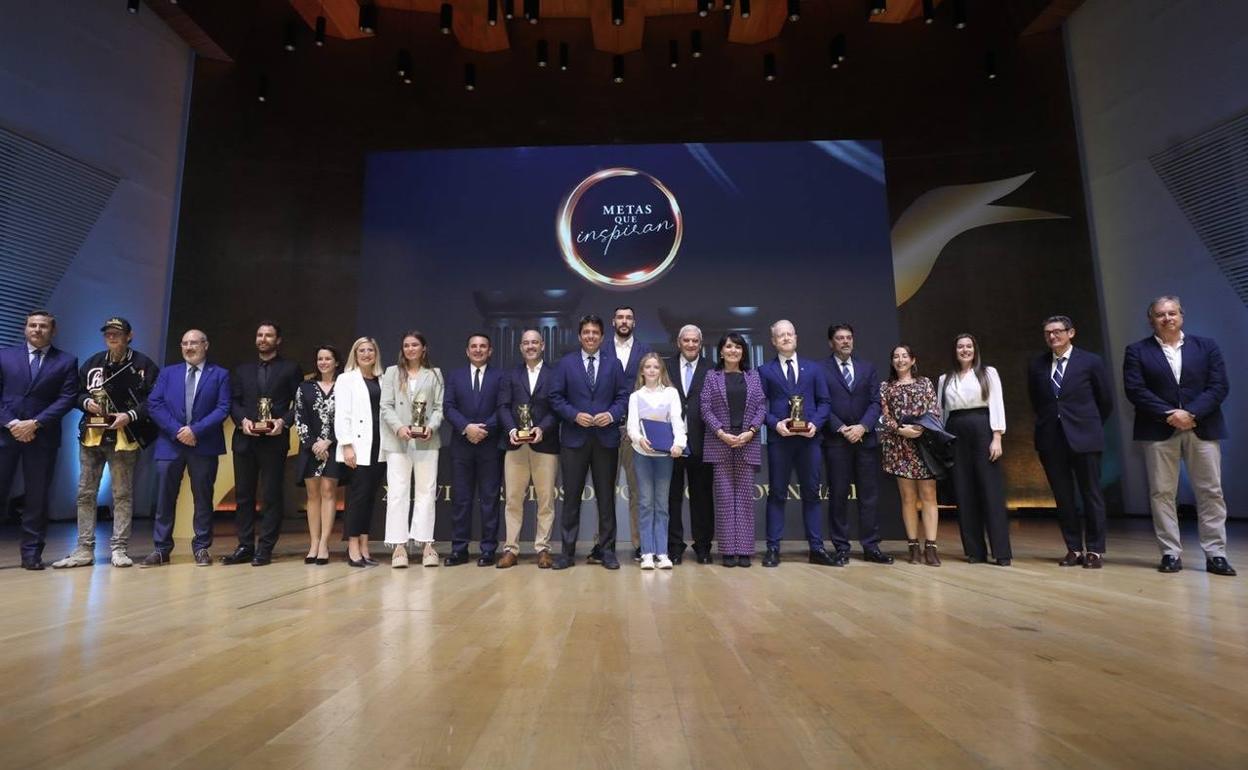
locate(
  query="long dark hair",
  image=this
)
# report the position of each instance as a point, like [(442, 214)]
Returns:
[(735, 339), (315, 376), (977, 366), (892, 371), (424, 354)]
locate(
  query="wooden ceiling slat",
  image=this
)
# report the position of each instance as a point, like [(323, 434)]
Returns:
[(767, 18)]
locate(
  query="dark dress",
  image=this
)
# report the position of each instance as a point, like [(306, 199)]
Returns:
[(899, 400), (314, 420)]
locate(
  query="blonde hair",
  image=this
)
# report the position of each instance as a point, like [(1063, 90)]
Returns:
[(641, 378), (353, 363)]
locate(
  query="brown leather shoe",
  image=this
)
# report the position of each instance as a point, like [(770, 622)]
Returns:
[(508, 559), (930, 557), (1091, 560), (916, 552), (544, 561), (1071, 559)]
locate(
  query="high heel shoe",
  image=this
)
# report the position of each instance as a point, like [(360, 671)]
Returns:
[(322, 561), (930, 557), (353, 563), (309, 560), (916, 553)]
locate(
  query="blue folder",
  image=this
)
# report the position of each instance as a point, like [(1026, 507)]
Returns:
[(659, 434)]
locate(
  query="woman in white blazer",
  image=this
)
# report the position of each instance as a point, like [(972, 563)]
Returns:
[(411, 453), (357, 425)]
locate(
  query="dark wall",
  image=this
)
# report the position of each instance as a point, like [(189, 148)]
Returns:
[(271, 206)]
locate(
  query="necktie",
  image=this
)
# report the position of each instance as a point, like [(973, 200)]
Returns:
[(36, 360), (688, 376), (791, 374), (847, 374), (589, 370), (262, 378), (191, 371), (476, 381), (1057, 376)]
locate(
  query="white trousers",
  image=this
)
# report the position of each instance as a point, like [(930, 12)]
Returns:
[(400, 469)]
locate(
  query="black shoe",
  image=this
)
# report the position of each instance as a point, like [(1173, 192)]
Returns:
[(610, 561), (203, 558), (636, 554), (876, 556), (563, 561), (595, 556), (455, 559), (1003, 562), (369, 561), (974, 560), (704, 557), (743, 561), (241, 555), (309, 560), (1170, 564), (1218, 565), (353, 563), (154, 559), (840, 559), (729, 561), (677, 555), (262, 559), (772, 558), (34, 564), (321, 561), (820, 556), (486, 560)]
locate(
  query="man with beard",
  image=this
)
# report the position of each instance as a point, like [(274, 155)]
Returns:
[(626, 352)]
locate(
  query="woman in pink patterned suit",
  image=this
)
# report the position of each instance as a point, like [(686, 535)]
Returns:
[(733, 408)]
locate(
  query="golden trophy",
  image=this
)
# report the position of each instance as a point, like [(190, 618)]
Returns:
[(524, 423), (419, 419), (264, 416), (105, 418), (797, 420)]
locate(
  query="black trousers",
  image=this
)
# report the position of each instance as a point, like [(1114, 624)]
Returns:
[(576, 463), (1083, 530), (979, 486), (262, 462), (476, 476), (701, 478), (362, 498), (38, 464), (860, 464)]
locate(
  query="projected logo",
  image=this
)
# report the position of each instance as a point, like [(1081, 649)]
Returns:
[(620, 228)]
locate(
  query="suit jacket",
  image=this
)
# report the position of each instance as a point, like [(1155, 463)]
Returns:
[(570, 393), (127, 383), (811, 383), (1150, 386), (284, 379), (166, 405), (1079, 414), (713, 402), (396, 409), (48, 399), (462, 406), (634, 359), (513, 391), (690, 405), (353, 418), (856, 405)]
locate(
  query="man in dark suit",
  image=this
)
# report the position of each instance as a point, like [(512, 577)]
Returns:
[(1070, 394), (259, 450), (590, 396), (851, 448), (687, 371), (533, 459), (783, 377), (471, 407), (188, 404), (38, 386), (1177, 383), (627, 352)]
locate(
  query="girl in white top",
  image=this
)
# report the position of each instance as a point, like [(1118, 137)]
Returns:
[(974, 411), (654, 399)]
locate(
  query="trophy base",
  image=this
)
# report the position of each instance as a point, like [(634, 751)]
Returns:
[(798, 426), (422, 432), (99, 421), (262, 426), (525, 437)]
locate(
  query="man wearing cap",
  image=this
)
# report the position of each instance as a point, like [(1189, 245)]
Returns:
[(121, 378)]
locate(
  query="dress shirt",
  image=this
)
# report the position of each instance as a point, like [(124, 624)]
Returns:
[(623, 350), (840, 367), (1174, 355), (473, 380), (597, 362), (534, 372), (965, 393), (784, 367), (30, 354), (1070, 349)]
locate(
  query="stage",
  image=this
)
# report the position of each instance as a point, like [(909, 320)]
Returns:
[(802, 666)]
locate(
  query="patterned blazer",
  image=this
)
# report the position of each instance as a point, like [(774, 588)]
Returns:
[(716, 416)]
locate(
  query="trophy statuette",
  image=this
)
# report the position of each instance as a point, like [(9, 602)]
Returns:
[(797, 419), (105, 417), (264, 416), (524, 423), (419, 426)]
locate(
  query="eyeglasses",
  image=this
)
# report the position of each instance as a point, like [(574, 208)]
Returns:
[(1056, 332)]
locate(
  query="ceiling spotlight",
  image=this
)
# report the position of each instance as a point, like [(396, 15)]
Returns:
[(563, 57), (535, 10), (288, 39), (403, 67), (745, 9), (444, 18), (795, 10), (769, 67), (728, 6), (617, 12), (704, 7), (990, 65), (959, 14), (543, 53), (695, 44), (470, 77), (617, 69), (509, 9), (929, 11), (838, 51), (262, 89), (319, 40), (368, 19), (132, 6), (491, 12), (673, 54)]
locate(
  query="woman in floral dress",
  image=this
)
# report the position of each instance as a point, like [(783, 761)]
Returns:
[(904, 395), (318, 470)]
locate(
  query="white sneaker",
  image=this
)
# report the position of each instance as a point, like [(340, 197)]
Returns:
[(431, 558), (398, 560), (647, 561), (665, 562), (80, 557), (122, 559)]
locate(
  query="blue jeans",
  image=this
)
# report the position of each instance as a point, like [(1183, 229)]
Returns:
[(654, 479)]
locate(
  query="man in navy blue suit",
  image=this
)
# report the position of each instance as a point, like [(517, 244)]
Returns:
[(1070, 394), (471, 407), (783, 377), (851, 448), (590, 396), (1177, 383), (189, 404), (627, 352), (38, 386)]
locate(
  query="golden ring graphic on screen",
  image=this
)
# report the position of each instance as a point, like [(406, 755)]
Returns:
[(631, 280)]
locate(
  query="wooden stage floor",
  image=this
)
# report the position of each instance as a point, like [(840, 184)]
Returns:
[(802, 666)]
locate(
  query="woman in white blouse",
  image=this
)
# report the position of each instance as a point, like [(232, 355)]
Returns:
[(974, 411), (654, 401)]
